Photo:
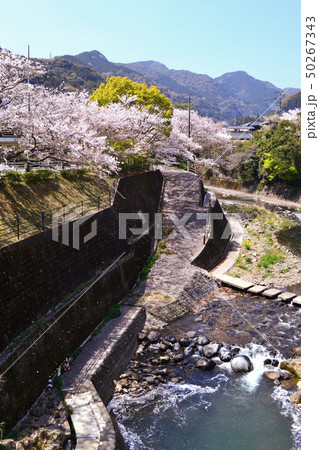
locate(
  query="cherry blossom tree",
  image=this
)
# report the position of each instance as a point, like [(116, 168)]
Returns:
[(207, 139), (55, 126), (65, 126), (14, 72)]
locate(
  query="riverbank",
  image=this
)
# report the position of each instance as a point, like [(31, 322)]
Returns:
[(279, 193), (263, 258)]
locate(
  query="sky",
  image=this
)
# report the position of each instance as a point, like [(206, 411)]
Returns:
[(204, 36)]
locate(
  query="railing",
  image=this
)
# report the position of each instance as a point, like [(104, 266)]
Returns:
[(36, 222), (192, 166), (55, 165)]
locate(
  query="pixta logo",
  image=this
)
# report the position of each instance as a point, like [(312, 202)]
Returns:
[(67, 217), (179, 224)]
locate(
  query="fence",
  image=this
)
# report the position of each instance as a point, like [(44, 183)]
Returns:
[(54, 165), (36, 222)]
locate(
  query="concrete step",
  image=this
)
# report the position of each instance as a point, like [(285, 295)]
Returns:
[(297, 301), (271, 293), (287, 296), (257, 289), (237, 283)]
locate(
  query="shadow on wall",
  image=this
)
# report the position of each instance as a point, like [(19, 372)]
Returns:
[(37, 273), (217, 246)]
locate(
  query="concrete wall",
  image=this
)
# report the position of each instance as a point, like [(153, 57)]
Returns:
[(216, 247)]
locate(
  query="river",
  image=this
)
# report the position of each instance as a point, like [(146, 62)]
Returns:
[(220, 409)]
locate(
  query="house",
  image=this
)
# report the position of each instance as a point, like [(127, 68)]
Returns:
[(244, 131)]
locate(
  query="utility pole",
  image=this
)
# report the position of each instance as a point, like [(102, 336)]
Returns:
[(29, 109), (189, 117)]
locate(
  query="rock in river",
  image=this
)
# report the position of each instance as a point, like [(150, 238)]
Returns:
[(205, 364), (202, 340), (154, 336), (241, 363), (210, 350)]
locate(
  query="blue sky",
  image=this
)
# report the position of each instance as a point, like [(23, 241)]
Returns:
[(204, 36)]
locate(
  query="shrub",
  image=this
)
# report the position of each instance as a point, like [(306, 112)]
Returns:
[(247, 244), (248, 169), (72, 174), (44, 174), (30, 177), (271, 257), (12, 175)]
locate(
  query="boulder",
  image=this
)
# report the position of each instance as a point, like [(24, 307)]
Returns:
[(296, 397), (293, 366), (135, 376), (179, 357), (164, 359), (202, 340), (170, 339), (267, 362), (163, 347), (210, 350), (154, 336), (185, 341), (176, 347), (225, 356), (141, 336), (205, 364), (150, 380), (241, 363), (272, 375), (191, 334), (234, 351), (188, 351)]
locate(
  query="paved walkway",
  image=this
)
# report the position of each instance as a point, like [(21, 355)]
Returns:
[(233, 251), (93, 425), (172, 271)]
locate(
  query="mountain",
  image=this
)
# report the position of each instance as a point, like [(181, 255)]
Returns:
[(71, 74), (234, 94), (292, 101), (98, 62), (230, 96)]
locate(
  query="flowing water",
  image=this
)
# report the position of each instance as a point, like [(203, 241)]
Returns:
[(221, 409), (217, 410)]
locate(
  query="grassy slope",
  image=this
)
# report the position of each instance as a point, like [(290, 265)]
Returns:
[(29, 200)]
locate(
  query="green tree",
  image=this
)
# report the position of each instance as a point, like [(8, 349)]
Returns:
[(279, 149), (150, 98)]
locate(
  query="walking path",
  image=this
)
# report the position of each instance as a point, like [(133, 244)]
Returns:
[(95, 368), (173, 284), (219, 191), (172, 270)]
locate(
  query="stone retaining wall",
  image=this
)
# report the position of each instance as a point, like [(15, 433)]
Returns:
[(36, 273)]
